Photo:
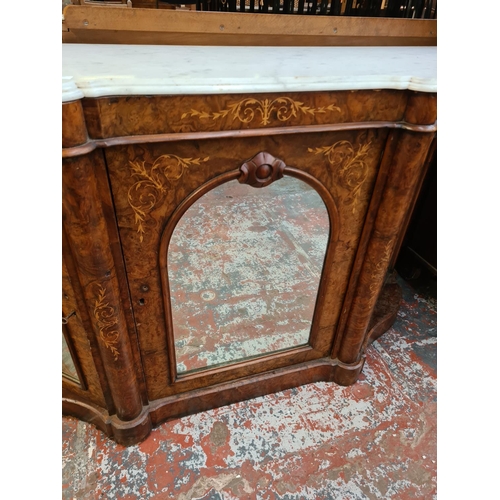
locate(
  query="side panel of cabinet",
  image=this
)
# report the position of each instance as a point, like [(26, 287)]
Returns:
[(89, 387), (150, 181), (92, 242)]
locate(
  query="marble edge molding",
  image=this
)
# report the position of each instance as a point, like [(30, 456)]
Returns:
[(113, 87), (70, 90)]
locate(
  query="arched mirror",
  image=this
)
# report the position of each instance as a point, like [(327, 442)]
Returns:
[(244, 267)]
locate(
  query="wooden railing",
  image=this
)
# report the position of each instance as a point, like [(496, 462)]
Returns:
[(408, 9)]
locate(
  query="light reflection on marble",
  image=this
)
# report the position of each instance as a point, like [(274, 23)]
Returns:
[(244, 268), (103, 70)]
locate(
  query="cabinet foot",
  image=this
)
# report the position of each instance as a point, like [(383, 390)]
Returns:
[(124, 433), (134, 431), (385, 314), (347, 374)]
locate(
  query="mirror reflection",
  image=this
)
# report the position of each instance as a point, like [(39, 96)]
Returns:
[(68, 367), (244, 267)]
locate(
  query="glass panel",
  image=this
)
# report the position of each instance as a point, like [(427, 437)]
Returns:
[(68, 367), (244, 267)]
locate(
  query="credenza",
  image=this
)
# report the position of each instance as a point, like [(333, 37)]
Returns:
[(231, 216)]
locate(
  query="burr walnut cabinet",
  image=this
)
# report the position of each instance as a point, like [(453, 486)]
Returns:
[(169, 151)]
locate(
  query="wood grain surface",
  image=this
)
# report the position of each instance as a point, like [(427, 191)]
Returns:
[(168, 27), (124, 193), (148, 115)]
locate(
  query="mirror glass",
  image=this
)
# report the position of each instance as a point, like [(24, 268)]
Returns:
[(244, 266), (68, 367)]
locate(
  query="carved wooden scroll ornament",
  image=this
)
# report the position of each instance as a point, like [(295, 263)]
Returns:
[(261, 170)]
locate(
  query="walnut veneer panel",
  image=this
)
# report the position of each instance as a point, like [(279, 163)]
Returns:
[(345, 163), (143, 115), (146, 157)]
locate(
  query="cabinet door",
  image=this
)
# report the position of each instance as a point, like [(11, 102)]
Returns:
[(155, 186)]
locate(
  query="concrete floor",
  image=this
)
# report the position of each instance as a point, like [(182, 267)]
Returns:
[(373, 440)]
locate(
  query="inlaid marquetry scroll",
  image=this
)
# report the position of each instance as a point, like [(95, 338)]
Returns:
[(106, 319), (351, 165), (124, 117), (248, 109), (151, 182)]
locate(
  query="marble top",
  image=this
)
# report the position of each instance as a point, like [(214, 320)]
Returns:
[(93, 70)]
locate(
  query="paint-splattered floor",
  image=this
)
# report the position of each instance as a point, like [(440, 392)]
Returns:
[(373, 440)]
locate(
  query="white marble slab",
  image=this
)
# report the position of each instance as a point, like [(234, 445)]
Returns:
[(70, 91), (104, 70)]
